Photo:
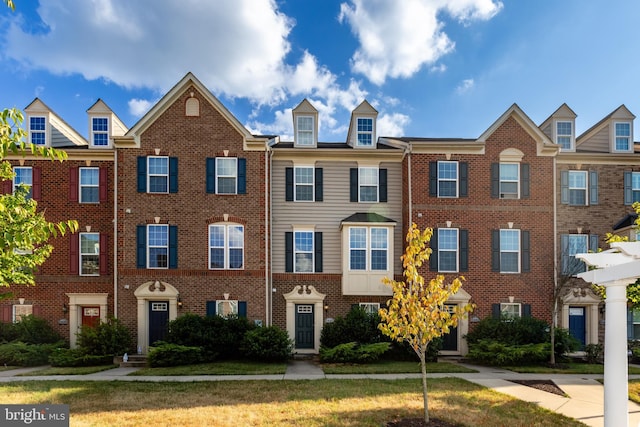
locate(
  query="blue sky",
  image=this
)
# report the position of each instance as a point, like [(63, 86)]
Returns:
[(432, 68)]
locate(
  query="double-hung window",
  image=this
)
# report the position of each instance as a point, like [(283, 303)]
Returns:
[(305, 130), (368, 184), (509, 180), (368, 248), (370, 308), (158, 246), (303, 248), (226, 246), (447, 179), (509, 251), (572, 244), (622, 138), (100, 131), (21, 311), (448, 249), (23, 177), (89, 254), (226, 175), (510, 310), (158, 174), (578, 188), (564, 135), (89, 185), (365, 131), (631, 187), (38, 130), (304, 184)]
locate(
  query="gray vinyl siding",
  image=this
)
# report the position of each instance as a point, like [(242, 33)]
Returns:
[(328, 214), (598, 142), (547, 130)]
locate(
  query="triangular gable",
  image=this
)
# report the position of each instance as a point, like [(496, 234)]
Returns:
[(363, 110), (118, 128), (305, 107), (544, 145), (61, 133), (620, 113), (170, 97), (564, 112)]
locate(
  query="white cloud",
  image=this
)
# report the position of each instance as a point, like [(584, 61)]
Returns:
[(139, 107), (392, 124), (398, 38), (465, 86)]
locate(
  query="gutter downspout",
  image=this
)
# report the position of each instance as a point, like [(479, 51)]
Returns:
[(555, 245), (268, 205), (115, 233), (410, 201)]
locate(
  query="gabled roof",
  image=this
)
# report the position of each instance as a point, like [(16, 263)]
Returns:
[(118, 128), (62, 134), (544, 144), (363, 110), (622, 112), (170, 97), (563, 112), (305, 107)]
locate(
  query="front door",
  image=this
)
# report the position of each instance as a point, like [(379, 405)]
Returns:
[(158, 320), (450, 340), (90, 316), (577, 324), (304, 326)]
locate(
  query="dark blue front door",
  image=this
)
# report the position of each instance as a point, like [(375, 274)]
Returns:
[(158, 320), (304, 326), (578, 324)]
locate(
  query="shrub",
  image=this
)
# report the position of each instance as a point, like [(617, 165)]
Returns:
[(8, 332), (593, 353), (357, 325), (564, 343), (35, 330), (108, 338), (270, 344), (491, 352), (514, 331), (18, 353), (353, 352), (167, 354), (403, 351), (65, 357)]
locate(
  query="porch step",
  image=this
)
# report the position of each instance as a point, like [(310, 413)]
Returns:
[(134, 361)]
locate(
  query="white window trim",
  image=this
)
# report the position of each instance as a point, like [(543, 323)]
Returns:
[(233, 304), (518, 251), (504, 313), (149, 246), (310, 132), (219, 175), (572, 139), (45, 131), (28, 307), (226, 248), (517, 181), (81, 254), (100, 132), (81, 186), (361, 185), (371, 132), (615, 136), (312, 251), (15, 186), (312, 184), (370, 307), (149, 175), (586, 187), (633, 188), (456, 250), (457, 186), (369, 250)]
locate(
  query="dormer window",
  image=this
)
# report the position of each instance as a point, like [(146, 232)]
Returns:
[(305, 131), (38, 130), (564, 135), (100, 132), (622, 137), (365, 131)]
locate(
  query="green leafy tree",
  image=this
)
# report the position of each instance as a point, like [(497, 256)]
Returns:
[(24, 232), (417, 312)]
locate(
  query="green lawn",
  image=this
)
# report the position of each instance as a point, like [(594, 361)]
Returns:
[(392, 367), (567, 368), (317, 403), (218, 368), (82, 370)]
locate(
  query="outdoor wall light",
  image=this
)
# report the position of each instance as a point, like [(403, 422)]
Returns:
[(179, 303), (65, 308), (326, 308)]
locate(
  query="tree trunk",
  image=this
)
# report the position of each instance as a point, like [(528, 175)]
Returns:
[(554, 316), (423, 368)]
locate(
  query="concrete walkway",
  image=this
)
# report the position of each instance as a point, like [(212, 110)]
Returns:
[(585, 402)]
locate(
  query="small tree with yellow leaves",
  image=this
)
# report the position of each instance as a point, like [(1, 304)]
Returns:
[(417, 312)]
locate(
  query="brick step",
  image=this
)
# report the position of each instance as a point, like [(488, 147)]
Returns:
[(134, 361)]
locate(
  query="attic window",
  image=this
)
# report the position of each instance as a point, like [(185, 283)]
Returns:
[(365, 131), (305, 130), (622, 140), (192, 107)]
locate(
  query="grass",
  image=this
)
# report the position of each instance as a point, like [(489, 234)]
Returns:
[(634, 390), (279, 403), (82, 370), (392, 367), (567, 368), (218, 368)]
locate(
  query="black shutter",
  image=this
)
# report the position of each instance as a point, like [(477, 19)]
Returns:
[(525, 184), (464, 250), (495, 180), (242, 176), (495, 311), (525, 254), (433, 258), (433, 179), (319, 185), (495, 250), (382, 185), (142, 174), (288, 188), (317, 242), (173, 246), (211, 175), (463, 182), (211, 308), (141, 246), (288, 251), (526, 310), (353, 184), (242, 309), (173, 174)]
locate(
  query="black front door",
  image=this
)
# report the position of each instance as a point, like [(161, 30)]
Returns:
[(304, 326), (450, 340), (158, 320)]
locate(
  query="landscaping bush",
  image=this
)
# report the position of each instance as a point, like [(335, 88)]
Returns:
[(492, 352), (167, 354), (403, 351), (19, 353), (108, 338), (357, 325), (513, 331), (66, 357), (8, 332), (270, 344), (353, 352), (34, 330), (564, 343), (593, 353)]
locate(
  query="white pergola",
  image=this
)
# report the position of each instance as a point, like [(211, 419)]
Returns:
[(615, 269)]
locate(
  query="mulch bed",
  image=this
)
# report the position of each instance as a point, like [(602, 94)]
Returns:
[(544, 385)]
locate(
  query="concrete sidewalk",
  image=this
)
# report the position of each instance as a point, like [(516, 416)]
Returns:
[(585, 402)]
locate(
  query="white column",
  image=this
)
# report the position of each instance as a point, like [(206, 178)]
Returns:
[(616, 390)]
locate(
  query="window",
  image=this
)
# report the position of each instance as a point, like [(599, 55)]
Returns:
[(158, 176), (38, 130), (365, 132), (89, 185), (622, 140), (21, 311), (226, 175), (564, 135), (226, 308), (579, 188), (23, 176), (368, 184), (158, 246), (631, 187), (447, 179), (371, 308), (368, 248), (89, 254), (633, 332), (450, 179), (509, 180), (510, 310), (447, 249), (305, 130), (100, 131), (509, 251), (304, 184), (226, 246), (572, 244), (303, 251)]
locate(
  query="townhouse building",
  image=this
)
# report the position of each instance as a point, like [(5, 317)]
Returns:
[(188, 212)]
